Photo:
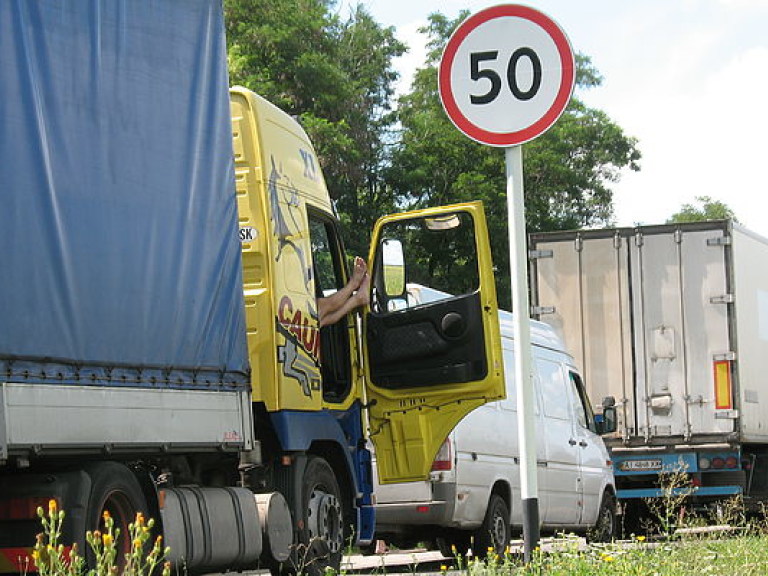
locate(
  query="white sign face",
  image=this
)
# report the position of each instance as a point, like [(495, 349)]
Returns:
[(506, 75)]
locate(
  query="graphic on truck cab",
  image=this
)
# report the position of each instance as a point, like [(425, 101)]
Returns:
[(296, 322), (285, 226), (299, 355)]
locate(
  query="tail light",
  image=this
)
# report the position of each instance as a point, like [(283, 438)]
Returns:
[(443, 460)]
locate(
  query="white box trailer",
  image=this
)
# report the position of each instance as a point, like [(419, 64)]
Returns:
[(671, 322)]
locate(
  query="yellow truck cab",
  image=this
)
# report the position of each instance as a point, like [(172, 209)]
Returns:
[(410, 374)]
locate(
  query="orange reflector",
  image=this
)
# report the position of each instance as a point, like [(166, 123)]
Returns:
[(422, 509), (723, 396)]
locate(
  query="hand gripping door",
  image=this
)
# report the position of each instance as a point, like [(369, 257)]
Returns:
[(432, 341)]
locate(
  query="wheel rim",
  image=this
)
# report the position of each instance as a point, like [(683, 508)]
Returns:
[(119, 507), (324, 520), (499, 533), (606, 523)]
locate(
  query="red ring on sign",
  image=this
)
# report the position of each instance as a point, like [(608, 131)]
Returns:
[(561, 99)]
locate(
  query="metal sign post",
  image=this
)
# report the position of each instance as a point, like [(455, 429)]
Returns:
[(524, 362), (506, 75)]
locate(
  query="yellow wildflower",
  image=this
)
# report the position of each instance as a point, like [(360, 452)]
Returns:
[(106, 515), (52, 506), (641, 538), (107, 539)]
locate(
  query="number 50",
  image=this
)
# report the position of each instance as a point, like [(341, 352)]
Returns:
[(476, 73)]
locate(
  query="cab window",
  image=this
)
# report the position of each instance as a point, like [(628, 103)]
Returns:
[(435, 259), (327, 266)]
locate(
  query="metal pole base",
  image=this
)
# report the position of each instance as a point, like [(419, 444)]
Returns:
[(530, 527)]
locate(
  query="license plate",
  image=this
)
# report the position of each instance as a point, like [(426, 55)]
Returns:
[(647, 465)]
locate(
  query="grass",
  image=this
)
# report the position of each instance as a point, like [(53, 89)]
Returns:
[(744, 555)]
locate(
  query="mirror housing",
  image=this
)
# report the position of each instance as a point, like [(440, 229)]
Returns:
[(608, 421)]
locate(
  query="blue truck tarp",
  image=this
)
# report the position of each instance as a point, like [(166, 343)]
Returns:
[(119, 253)]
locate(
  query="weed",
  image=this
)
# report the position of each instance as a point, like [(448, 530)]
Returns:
[(669, 508), (52, 558)]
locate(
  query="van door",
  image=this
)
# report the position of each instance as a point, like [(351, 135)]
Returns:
[(593, 457), (429, 364), (562, 476)]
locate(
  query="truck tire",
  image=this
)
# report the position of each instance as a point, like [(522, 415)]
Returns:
[(495, 532), (605, 528), (321, 542), (114, 489)]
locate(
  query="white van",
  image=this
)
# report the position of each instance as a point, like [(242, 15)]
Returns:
[(473, 495)]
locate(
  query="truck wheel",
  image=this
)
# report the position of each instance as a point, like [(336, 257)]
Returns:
[(604, 529), (495, 532), (114, 489), (322, 538)]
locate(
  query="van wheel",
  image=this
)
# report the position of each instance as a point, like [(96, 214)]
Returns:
[(604, 529), (495, 532)]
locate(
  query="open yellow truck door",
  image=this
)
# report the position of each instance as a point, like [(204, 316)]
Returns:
[(429, 361)]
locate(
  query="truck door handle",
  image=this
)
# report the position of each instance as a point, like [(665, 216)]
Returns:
[(572, 442), (583, 444)]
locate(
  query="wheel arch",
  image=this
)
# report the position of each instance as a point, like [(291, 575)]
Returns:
[(504, 490)]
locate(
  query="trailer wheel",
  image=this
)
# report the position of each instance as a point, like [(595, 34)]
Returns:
[(604, 529), (114, 490), (495, 532), (322, 537)]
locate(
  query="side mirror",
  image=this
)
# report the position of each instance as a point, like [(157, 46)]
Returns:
[(608, 423), (393, 272)]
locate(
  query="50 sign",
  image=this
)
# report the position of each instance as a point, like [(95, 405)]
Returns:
[(506, 75), (476, 73)]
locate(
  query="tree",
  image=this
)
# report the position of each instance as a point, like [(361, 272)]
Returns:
[(705, 208), (337, 77), (568, 170)]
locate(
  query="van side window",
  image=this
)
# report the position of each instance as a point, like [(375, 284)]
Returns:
[(554, 393), (510, 402), (581, 405)]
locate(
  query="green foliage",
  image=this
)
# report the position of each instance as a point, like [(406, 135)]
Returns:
[(704, 208)]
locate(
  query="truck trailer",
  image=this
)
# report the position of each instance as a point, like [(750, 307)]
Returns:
[(163, 245), (670, 325)]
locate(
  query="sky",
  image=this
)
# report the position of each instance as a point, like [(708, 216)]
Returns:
[(687, 78)]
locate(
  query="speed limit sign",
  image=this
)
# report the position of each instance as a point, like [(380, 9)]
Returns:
[(506, 75)]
